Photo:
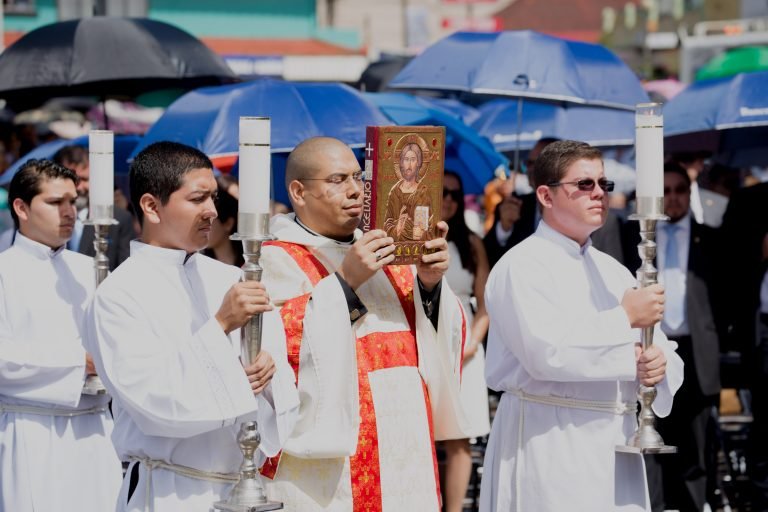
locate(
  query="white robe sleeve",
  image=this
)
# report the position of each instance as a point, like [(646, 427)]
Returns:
[(46, 372), (329, 415), (279, 402), (673, 378), (172, 388), (440, 357), (550, 343)]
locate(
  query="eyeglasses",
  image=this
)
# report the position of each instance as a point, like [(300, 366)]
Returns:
[(587, 184), (453, 194), (339, 178)]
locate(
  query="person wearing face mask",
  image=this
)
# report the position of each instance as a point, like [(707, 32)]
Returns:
[(55, 451), (564, 350), (164, 330)]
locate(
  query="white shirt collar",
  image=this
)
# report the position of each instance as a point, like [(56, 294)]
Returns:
[(571, 246), (40, 251), (684, 224), (163, 255)]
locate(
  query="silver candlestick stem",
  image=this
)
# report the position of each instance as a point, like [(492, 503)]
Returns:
[(93, 384), (248, 494), (646, 439)]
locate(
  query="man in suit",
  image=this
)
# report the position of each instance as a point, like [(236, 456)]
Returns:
[(686, 263), (517, 216), (745, 233), (120, 234), (707, 207)]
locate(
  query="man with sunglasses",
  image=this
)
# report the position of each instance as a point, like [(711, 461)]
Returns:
[(376, 348), (563, 348)]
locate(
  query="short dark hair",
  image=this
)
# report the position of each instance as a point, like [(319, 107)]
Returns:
[(555, 159), (25, 184), (676, 168), (71, 155), (159, 169)]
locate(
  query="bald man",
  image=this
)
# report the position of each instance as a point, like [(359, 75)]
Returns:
[(376, 349)]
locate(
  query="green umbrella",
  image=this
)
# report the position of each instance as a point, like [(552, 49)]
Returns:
[(737, 60)]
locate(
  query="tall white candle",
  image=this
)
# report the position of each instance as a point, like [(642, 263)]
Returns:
[(101, 194), (649, 152), (255, 165)]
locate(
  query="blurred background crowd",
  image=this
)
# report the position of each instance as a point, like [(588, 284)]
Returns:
[(506, 77)]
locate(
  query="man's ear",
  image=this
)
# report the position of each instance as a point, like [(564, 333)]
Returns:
[(544, 196), (150, 205), (21, 208), (296, 193)]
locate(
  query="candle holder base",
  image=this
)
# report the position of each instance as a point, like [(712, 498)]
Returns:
[(651, 450), (93, 386)]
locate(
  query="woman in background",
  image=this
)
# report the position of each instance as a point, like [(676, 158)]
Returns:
[(466, 275), (220, 247)]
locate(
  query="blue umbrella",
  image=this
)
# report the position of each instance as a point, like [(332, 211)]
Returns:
[(524, 64), (124, 145), (594, 125), (466, 153), (727, 116), (208, 118), (466, 113)]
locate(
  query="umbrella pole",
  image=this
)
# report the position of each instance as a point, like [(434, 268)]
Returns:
[(519, 131)]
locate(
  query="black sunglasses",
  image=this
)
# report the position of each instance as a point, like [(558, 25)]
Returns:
[(587, 184), (455, 194)]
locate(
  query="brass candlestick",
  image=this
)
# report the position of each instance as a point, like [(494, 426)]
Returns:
[(248, 494)]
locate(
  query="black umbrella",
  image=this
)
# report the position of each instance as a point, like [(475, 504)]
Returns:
[(105, 57), (378, 74)]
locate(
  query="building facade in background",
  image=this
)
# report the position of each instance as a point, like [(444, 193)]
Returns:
[(334, 40)]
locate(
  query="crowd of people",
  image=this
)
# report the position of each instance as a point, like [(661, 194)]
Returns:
[(367, 369)]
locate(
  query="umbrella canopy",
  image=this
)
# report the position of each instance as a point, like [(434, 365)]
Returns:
[(208, 119), (594, 125), (728, 116), (461, 110), (124, 145), (466, 153), (524, 64), (378, 74), (102, 56), (736, 60)]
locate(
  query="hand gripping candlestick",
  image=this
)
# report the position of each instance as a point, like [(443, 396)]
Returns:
[(101, 198), (252, 229), (649, 155)]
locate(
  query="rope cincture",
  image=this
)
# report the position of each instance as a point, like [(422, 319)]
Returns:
[(198, 474), (51, 411), (608, 407)]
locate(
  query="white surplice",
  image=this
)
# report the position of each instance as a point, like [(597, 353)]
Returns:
[(180, 392), (50, 462), (558, 329), (314, 472)]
